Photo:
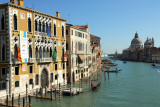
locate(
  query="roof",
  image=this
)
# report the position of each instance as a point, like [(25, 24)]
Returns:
[(158, 53), (32, 10), (81, 27), (93, 36)]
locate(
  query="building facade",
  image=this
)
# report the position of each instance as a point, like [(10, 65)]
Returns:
[(79, 54), (40, 39)]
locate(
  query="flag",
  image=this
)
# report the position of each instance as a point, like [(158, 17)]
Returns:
[(65, 55), (19, 54), (48, 31), (54, 54)]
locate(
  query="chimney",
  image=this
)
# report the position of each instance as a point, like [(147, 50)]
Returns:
[(58, 14), (17, 2)]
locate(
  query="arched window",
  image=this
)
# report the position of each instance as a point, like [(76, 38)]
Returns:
[(15, 21), (44, 52), (50, 52), (40, 26), (50, 27), (3, 52), (29, 25), (30, 51), (46, 26), (36, 53), (36, 25), (40, 52), (2, 22), (62, 52), (62, 31), (43, 27), (47, 53), (55, 32), (15, 51)]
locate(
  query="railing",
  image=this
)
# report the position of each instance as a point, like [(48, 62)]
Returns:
[(31, 60), (44, 60)]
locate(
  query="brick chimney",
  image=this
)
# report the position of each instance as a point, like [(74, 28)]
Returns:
[(58, 14)]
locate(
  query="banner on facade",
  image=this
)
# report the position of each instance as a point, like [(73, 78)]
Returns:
[(24, 46)]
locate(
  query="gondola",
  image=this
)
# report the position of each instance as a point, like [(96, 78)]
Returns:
[(113, 71), (96, 87)]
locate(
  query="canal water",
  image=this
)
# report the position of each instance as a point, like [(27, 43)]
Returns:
[(137, 85)]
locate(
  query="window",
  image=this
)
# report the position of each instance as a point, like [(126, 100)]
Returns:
[(36, 25), (31, 69), (44, 52), (36, 53), (2, 23), (56, 76), (15, 51), (62, 31), (15, 22), (51, 77), (39, 26), (62, 52), (17, 84), (30, 81), (29, 25), (3, 85), (55, 32), (50, 52), (63, 76), (3, 73), (55, 66), (72, 32), (30, 51), (67, 46), (43, 27), (3, 52), (67, 32), (63, 66), (16, 70), (37, 79)]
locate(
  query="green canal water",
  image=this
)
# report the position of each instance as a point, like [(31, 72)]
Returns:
[(137, 85)]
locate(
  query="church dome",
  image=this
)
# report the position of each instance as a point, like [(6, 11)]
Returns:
[(136, 40), (148, 42)]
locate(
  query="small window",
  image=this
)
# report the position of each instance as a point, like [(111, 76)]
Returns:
[(67, 32), (30, 69), (29, 25), (56, 76), (30, 81), (15, 22), (51, 77), (17, 84), (72, 32), (63, 66), (55, 32), (16, 70), (3, 73), (55, 66), (63, 76)]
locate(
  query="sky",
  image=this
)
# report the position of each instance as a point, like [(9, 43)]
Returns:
[(114, 21)]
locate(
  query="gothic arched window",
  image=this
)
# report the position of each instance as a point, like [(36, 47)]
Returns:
[(62, 31), (37, 79), (29, 25), (43, 27), (40, 26), (44, 52), (15, 22), (15, 51), (2, 22), (40, 52), (36, 53), (55, 32), (50, 52), (30, 51), (3, 52), (36, 25), (62, 52)]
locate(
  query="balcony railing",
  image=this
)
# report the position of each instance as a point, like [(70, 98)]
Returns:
[(81, 65), (31, 60), (44, 60)]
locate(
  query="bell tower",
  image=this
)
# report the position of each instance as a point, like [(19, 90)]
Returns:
[(18, 2)]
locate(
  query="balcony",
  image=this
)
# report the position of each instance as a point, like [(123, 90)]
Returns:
[(44, 60), (81, 65), (31, 60)]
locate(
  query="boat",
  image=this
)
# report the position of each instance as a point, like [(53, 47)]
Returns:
[(96, 87), (158, 70), (113, 71), (124, 61), (153, 65)]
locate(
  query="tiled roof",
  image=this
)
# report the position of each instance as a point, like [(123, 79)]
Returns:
[(93, 36)]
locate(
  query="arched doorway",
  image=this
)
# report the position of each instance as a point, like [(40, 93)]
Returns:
[(73, 79), (44, 78)]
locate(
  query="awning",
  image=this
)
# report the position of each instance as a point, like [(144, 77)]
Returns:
[(82, 57)]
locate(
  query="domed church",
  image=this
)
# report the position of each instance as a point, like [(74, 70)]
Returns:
[(149, 43), (136, 42)]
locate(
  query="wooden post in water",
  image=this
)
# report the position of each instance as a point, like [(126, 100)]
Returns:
[(41, 91), (55, 93), (45, 91), (19, 100), (51, 94), (36, 92), (7, 100), (23, 102), (12, 99), (59, 91), (29, 101)]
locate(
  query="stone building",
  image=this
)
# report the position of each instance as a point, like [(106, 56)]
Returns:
[(37, 37), (136, 42)]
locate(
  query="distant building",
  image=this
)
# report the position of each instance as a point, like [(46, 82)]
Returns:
[(149, 43), (136, 42)]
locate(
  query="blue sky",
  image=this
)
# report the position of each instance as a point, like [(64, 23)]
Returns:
[(115, 21)]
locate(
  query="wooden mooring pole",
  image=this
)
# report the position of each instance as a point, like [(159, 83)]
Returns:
[(55, 94), (23, 102), (45, 91), (19, 100), (7, 100), (41, 92), (51, 94), (29, 101), (12, 99), (36, 92)]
